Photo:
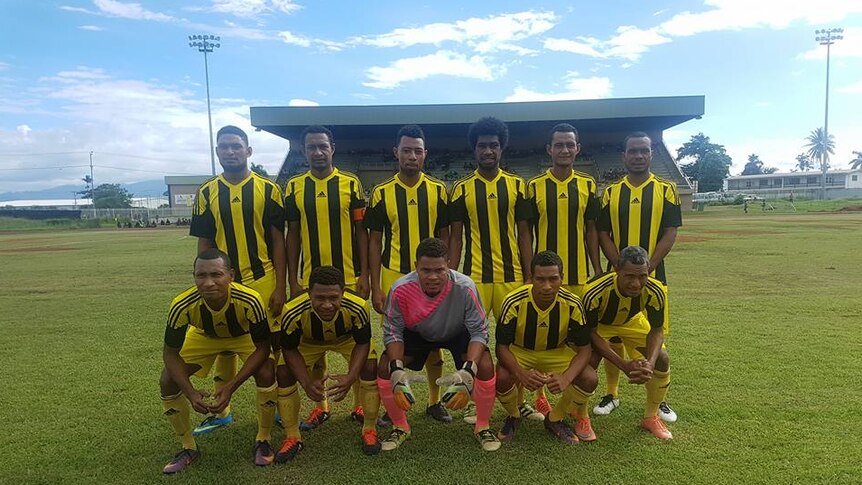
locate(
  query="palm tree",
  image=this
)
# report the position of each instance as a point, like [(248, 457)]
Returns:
[(856, 162), (819, 148)]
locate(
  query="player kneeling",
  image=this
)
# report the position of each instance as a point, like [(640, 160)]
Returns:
[(630, 305), (543, 339), (216, 315), (436, 308), (326, 319)]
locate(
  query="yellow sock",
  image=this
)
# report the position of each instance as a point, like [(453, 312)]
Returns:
[(288, 407), (267, 403), (558, 412), (224, 371), (612, 372), (357, 400), (510, 400), (656, 391), (434, 371), (370, 399), (541, 393), (177, 410), (318, 370), (579, 402)]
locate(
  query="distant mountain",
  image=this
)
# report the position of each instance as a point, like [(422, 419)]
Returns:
[(138, 189)]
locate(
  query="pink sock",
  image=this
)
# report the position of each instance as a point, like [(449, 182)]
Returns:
[(483, 395), (396, 414)]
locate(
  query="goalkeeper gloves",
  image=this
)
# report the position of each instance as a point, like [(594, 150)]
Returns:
[(401, 391), (460, 383)]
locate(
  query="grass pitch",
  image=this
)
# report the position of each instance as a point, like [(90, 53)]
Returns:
[(764, 350)]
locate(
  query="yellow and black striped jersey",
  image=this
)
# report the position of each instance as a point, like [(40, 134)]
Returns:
[(525, 325), (300, 322), (326, 209), (490, 211), (561, 210), (243, 313), (604, 305), (238, 219), (638, 216), (406, 215)]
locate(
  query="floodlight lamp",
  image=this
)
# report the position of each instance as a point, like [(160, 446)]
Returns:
[(218, 45)]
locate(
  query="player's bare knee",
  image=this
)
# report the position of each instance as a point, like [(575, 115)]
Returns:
[(485, 367), (265, 375), (167, 385), (663, 362), (504, 379), (383, 367), (595, 360), (587, 380), (284, 376), (369, 370)]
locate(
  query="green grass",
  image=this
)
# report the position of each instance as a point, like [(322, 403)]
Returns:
[(764, 351)]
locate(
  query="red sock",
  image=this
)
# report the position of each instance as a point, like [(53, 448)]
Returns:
[(483, 395), (396, 414)]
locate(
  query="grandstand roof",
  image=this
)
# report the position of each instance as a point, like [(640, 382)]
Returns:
[(602, 115)]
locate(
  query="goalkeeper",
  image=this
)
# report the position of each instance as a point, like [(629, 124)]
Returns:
[(436, 308)]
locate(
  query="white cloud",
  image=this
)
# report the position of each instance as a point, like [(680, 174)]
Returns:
[(631, 42), (441, 63), (848, 47), (854, 88), (4, 66), (132, 11), (576, 88), (92, 28), (121, 120), (302, 41), (494, 33), (253, 8), (302, 102)]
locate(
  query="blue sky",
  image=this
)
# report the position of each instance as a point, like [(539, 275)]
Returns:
[(118, 77)]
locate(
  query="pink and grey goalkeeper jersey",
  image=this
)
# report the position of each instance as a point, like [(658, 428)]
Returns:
[(436, 319)]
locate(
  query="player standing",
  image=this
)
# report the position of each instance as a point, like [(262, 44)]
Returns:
[(242, 214), (644, 210), (404, 210)]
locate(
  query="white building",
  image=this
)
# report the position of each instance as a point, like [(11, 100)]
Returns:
[(840, 184)]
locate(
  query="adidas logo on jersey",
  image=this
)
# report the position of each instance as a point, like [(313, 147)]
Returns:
[(493, 196), (563, 196), (623, 309), (543, 324), (321, 195), (235, 200), (412, 202), (328, 330), (636, 201)]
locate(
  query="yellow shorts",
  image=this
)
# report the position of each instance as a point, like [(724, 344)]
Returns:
[(492, 295), (387, 279), (633, 334), (200, 349), (578, 290), (265, 286), (312, 353), (666, 326), (547, 361)]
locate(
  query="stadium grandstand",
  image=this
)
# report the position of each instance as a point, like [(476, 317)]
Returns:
[(365, 135)]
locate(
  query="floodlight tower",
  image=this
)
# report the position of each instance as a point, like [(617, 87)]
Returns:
[(207, 43), (826, 37)]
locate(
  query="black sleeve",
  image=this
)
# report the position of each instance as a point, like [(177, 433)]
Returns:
[(579, 335), (523, 209), (603, 223), (291, 210), (375, 218), (593, 209), (273, 213), (174, 337), (505, 334), (290, 341), (458, 209), (671, 215), (362, 335), (442, 216), (655, 317), (259, 331)]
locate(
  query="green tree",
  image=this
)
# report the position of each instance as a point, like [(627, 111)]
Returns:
[(820, 146), (258, 169), (709, 165), (769, 169), (856, 162), (112, 196), (87, 193), (803, 162), (754, 166)]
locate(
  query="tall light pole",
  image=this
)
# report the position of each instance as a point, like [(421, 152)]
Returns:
[(207, 43), (826, 37)]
